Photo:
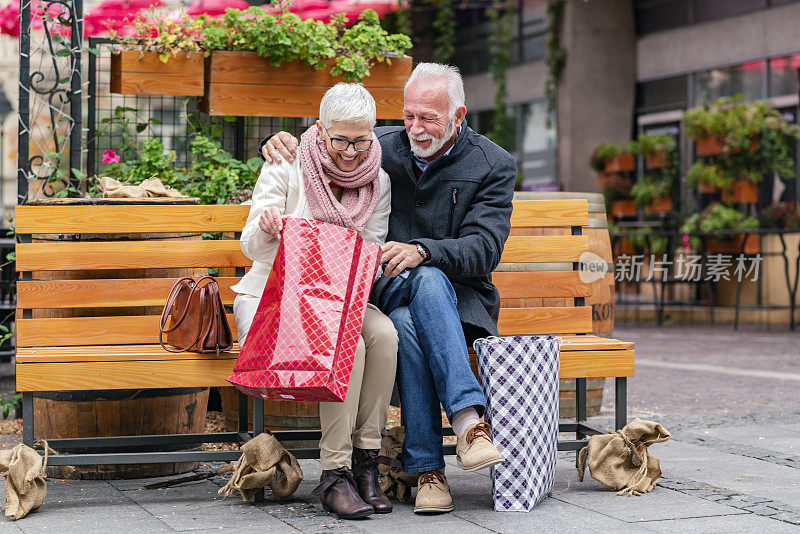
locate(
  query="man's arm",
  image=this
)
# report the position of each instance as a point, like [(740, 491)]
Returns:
[(275, 146), (483, 233)]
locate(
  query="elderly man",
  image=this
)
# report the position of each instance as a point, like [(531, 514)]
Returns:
[(451, 208)]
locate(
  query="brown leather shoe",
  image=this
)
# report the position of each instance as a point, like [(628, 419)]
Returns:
[(365, 471), (337, 491), (475, 449), (433, 494)]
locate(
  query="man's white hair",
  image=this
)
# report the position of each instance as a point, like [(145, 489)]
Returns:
[(347, 102), (436, 72)]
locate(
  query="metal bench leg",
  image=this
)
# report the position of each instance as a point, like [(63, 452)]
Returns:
[(243, 426), (27, 418), (580, 409), (258, 428), (620, 402)]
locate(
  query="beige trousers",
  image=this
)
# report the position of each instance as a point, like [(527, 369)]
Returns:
[(359, 420)]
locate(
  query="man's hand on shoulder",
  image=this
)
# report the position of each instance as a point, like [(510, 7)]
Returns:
[(282, 144), (399, 257)]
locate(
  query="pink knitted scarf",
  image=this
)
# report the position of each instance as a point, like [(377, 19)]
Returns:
[(360, 187)]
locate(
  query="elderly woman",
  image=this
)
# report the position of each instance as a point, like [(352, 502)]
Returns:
[(337, 179)]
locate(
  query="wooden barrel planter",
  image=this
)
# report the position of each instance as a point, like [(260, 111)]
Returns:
[(141, 72), (245, 84), (117, 412), (602, 299)]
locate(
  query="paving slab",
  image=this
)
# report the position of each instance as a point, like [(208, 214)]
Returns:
[(8, 526), (88, 507), (742, 474), (736, 524), (781, 439), (195, 506)]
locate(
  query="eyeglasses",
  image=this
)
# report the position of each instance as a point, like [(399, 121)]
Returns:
[(340, 144)]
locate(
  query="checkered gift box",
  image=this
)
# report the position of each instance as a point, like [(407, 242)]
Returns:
[(519, 375)]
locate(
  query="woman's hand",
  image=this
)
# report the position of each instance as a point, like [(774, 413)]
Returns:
[(281, 144), (271, 222)]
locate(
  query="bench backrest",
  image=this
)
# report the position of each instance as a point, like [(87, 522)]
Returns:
[(113, 275)]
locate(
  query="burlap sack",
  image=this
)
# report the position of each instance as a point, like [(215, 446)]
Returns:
[(620, 460), (26, 488), (150, 188), (394, 479), (264, 462)]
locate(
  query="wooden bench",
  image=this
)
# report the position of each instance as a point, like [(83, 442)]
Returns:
[(122, 352)]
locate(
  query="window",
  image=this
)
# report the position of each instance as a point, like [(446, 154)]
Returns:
[(746, 80), (783, 75), (536, 160), (656, 15), (662, 95)]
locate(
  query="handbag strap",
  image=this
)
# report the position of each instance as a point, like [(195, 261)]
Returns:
[(200, 333), (173, 295)]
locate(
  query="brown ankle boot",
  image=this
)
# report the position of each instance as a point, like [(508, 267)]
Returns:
[(365, 471), (338, 493)]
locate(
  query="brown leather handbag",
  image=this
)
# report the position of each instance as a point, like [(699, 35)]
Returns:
[(197, 320)]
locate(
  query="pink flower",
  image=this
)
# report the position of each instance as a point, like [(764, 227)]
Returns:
[(109, 156), (686, 242)]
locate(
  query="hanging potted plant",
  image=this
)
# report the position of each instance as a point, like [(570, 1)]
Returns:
[(618, 197), (658, 150), (718, 217), (707, 178), (653, 194), (163, 58)]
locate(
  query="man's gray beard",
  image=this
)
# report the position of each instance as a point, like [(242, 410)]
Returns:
[(436, 144)]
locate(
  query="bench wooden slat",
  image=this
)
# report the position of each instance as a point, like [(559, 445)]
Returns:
[(520, 285), (110, 353), (201, 372), (550, 213), (544, 248), (112, 330), (539, 321), (104, 293), (94, 255), (129, 219)]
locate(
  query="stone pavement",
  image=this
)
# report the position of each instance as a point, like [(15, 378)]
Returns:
[(731, 401)]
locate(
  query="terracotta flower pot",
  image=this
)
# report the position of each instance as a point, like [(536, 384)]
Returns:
[(245, 84), (711, 146), (655, 161), (623, 247), (734, 245), (622, 208), (741, 193), (706, 189), (659, 205), (621, 163), (139, 72)]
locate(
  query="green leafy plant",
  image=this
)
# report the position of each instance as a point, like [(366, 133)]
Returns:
[(166, 36), (603, 154), (702, 173), (647, 145), (444, 28), (556, 57), (9, 403), (650, 188), (755, 140), (501, 19), (719, 217), (617, 188)]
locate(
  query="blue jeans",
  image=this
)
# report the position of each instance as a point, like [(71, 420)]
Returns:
[(432, 362)]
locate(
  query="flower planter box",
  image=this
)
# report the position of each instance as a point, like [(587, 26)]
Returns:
[(621, 163), (139, 72), (710, 146), (655, 161), (659, 205), (734, 245), (741, 193), (602, 179), (244, 84), (622, 208), (707, 189), (623, 247)]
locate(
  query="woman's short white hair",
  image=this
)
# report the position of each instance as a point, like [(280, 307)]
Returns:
[(347, 102), (436, 72)]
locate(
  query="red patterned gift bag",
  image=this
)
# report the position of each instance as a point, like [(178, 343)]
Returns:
[(304, 335)]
